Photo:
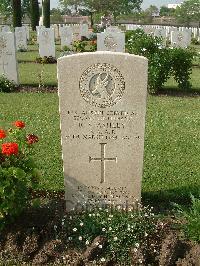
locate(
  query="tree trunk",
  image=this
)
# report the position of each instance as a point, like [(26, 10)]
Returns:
[(91, 18), (35, 13), (17, 13), (46, 13)]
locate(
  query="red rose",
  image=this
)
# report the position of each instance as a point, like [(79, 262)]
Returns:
[(10, 148), (2, 134), (19, 124), (31, 138)]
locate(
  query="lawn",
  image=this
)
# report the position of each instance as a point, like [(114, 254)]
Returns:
[(172, 147), (32, 74)]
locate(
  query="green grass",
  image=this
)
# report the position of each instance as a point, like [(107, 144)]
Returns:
[(194, 79), (29, 71), (172, 146), (29, 74), (40, 112)]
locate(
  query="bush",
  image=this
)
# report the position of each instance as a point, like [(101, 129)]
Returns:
[(195, 41), (18, 171), (65, 48), (122, 230), (191, 227), (182, 60), (79, 46), (46, 60), (6, 85), (163, 61)]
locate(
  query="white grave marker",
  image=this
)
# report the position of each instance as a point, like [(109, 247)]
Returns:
[(46, 42), (21, 38), (8, 62), (111, 41), (102, 107)]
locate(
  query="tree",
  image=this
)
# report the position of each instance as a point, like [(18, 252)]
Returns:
[(152, 10), (56, 16), (34, 13), (16, 13), (46, 13), (188, 11), (5, 8), (114, 7), (166, 12), (73, 5)]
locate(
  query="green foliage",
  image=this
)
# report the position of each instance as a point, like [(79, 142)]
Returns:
[(5, 8), (122, 230), (46, 60), (6, 85), (163, 61), (188, 11), (192, 217), (166, 12), (18, 173), (79, 46), (195, 41), (66, 48), (46, 13), (56, 16), (34, 14), (182, 66), (16, 13)]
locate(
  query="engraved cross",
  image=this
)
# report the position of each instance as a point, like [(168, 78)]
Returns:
[(103, 160)]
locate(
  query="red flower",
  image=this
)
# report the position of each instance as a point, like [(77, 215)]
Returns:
[(19, 124), (31, 138), (93, 42), (10, 148), (2, 134)]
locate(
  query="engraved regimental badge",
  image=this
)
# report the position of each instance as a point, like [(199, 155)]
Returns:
[(102, 85)]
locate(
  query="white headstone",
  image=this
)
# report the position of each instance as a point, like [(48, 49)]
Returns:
[(84, 30), (46, 42), (102, 107), (38, 28), (66, 36), (180, 39), (21, 38), (5, 28), (76, 33), (161, 33), (8, 62), (112, 29), (27, 32), (111, 41), (56, 31)]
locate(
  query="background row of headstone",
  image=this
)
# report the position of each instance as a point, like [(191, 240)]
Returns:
[(112, 39)]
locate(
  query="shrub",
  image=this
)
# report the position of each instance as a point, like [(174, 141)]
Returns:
[(46, 60), (79, 46), (6, 85), (18, 171), (93, 36), (192, 218), (122, 230), (163, 61), (195, 41), (65, 48), (182, 60)]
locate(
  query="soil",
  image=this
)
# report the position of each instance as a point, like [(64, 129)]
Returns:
[(162, 92), (33, 239), (50, 89)]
